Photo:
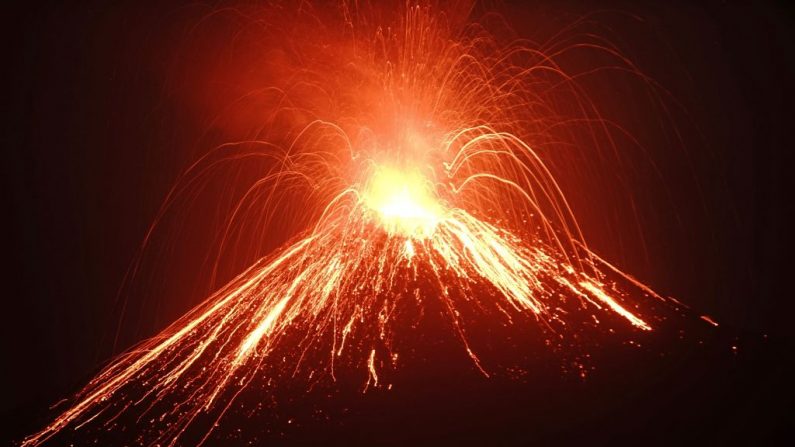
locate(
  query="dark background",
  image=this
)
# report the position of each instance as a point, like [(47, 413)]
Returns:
[(89, 112)]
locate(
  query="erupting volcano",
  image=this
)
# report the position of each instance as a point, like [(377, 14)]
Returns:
[(409, 140)]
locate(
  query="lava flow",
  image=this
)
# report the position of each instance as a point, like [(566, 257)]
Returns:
[(434, 176)]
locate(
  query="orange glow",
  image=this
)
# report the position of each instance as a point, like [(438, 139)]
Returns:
[(468, 202), (404, 202)]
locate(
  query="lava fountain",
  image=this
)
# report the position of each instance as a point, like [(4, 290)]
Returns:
[(424, 165)]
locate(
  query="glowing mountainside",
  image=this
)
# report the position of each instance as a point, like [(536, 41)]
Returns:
[(340, 284)]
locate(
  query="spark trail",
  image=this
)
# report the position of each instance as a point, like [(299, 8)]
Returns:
[(440, 186)]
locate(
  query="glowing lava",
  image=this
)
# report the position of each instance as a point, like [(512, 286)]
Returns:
[(404, 202), (480, 211)]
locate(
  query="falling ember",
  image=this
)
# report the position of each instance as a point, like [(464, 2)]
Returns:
[(433, 179), (709, 320)]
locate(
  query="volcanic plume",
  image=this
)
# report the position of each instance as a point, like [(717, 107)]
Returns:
[(407, 138)]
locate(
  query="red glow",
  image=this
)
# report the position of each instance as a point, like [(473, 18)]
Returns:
[(415, 137)]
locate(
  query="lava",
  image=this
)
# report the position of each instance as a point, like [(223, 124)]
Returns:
[(433, 177), (404, 203)]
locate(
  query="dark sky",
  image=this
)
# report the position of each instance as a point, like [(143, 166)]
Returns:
[(89, 111)]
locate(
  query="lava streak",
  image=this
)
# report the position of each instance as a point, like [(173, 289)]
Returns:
[(431, 179)]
